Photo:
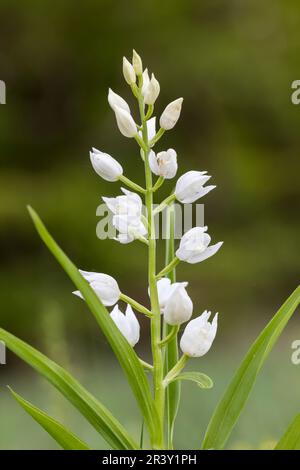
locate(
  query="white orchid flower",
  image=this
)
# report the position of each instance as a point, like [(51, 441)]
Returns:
[(190, 186), (127, 324), (199, 335), (105, 165), (174, 302), (105, 286), (194, 246), (127, 213), (164, 163)]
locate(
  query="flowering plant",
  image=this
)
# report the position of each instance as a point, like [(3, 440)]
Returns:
[(155, 385)]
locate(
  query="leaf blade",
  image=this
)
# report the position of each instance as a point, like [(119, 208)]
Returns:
[(236, 395), (63, 436), (91, 408), (291, 438), (124, 352), (202, 380)]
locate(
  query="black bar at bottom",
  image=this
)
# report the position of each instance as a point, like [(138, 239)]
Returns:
[(134, 459)]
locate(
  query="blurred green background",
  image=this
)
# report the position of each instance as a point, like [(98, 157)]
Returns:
[(233, 62)]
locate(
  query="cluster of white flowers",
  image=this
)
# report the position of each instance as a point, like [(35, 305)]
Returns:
[(175, 303)]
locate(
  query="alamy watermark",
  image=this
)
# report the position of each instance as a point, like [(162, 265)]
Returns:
[(2, 353), (186, 217), (295, 357), (2, 92), (295, 96)]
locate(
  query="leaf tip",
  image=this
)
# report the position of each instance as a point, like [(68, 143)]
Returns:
[(31, 211)]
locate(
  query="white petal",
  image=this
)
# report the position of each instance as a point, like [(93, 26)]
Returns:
[(153, 163), (210, 251), (116, 100), (146, 81), (106, 166), (171, 114), (134, 326), (78, 293), (179, 306), (151, 127), (125, 122), (120, 321), (111, 203), (164, 291)]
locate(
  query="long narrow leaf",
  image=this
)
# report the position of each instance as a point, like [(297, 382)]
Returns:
[(123, 351), (99, 417), (65, 438), (236, 395), (291, 438)]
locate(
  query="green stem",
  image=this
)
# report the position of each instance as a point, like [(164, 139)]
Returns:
[(157, 136), (165, 203), (136, 305), (175, 261), (141, 143), (158, 183), (149, 112), (146, 365), (159, 392), (172, 333), (132, 185), (176, 369)]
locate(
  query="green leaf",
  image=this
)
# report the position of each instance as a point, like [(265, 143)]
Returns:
[(236, 395), (171, 350), (65, 438), (99, 417), (291, 438), (124, 352), (202, 380)]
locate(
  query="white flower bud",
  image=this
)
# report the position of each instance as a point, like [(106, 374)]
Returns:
[(164, 163), (199, 335), (105, 286), (151, 91), (105, 165), (171, 114), (146, 81), (128, 72), (174, 302), (190, 186), (127, 324), (116, 100), (137, 63), (125, 122), (179, 307), (194, 246)]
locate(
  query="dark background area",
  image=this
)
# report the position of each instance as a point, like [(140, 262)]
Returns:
[(233, 62)]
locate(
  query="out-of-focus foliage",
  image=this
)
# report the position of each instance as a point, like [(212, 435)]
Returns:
[(234, 63)]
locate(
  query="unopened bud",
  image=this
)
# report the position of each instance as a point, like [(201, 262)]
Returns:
[(152, 91), (128, 72), (125, 122), (171, 114), (137, 63)]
